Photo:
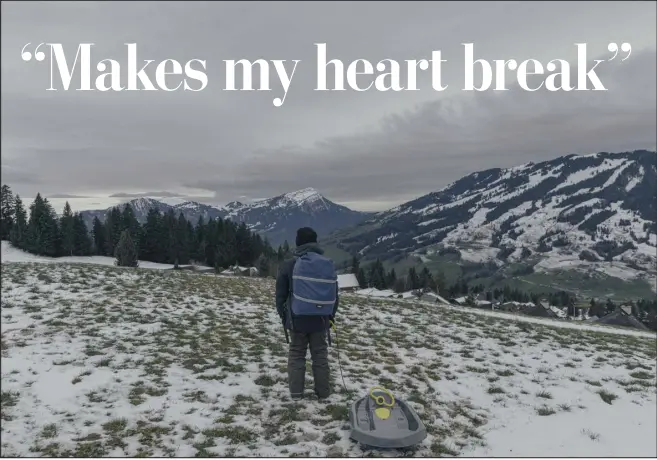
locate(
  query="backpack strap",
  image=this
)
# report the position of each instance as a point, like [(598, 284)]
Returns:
[(289, 298)]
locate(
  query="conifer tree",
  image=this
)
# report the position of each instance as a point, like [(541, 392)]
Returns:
[(126, 252), (199, 240), (42, 229), (18, 234), (169, 242), (7, 212), (362, 278), (211, 243), (182, 241), (400, 285), (243, 243), (355, 265), (441, 283), (113, 229), (413, 281), (149, 249), (99, 237), (227, 253), (129, 222), (377, 276), (66, 225), (262, 265), (82, 241), (391, 279), (190, 236)]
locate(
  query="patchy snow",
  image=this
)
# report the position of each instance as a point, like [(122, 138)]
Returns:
[(572, 261), (534, 180), (385, 237), (302, 195), (479, 255), (428, 222), (635, 180), (474, 235), (98, 361), (588, 173)]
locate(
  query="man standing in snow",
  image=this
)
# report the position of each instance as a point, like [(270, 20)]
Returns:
[(306, 301)]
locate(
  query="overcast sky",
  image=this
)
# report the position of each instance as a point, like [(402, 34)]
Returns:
[(368, 150)]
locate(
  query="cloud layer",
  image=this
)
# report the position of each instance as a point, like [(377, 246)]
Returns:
[(369, 150)]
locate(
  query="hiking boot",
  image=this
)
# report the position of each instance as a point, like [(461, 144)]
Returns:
[(296, 397)]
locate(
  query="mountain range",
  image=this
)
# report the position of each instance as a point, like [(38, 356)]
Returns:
[(558, 222), (593, 214), (276, 218)]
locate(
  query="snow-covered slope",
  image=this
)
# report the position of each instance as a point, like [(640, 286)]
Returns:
[(11, 254), (98, 361), (575, 211)]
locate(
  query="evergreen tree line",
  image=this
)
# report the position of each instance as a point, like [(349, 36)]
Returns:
[(375, 275), (43, 233), (163, 238)]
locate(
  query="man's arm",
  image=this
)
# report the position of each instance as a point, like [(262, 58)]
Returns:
[(282, 290)]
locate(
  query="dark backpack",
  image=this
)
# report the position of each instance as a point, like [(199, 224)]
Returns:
[(314, 285)]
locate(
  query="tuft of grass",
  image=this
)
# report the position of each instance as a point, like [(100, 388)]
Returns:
[(235, 434), (591, 434), (495, 390), (265, 381), (607, 396), (337, 412), (105, 362), (330, 438), (565, 407), (641, 375), (545, 411), (505, 373), (49, 431), (9, 398), (441, 449), (544, 394), (115, 426)]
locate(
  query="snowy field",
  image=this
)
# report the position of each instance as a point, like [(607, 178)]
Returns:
[(12, 254), (105, 361)]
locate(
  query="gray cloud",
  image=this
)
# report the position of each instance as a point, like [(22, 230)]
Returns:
[(369, 150), (65, 196), (146, 194)]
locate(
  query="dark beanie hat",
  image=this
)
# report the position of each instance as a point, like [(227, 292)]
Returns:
[(306, 235)]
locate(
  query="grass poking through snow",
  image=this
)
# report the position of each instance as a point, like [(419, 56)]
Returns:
[(103, 361)]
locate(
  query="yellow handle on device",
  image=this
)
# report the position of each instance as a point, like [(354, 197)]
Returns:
[(380, 400), (332, 324)]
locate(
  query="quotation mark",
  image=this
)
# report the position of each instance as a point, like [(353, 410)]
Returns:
[(625, 47), (38, 55)]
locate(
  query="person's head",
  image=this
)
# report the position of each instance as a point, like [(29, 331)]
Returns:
[(306, 235)]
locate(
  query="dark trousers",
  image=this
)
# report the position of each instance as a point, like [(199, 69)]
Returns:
[(296, 363)]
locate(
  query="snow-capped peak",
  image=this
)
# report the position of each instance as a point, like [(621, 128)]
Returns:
[(188, 205), (303, 195), (143, 204)]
